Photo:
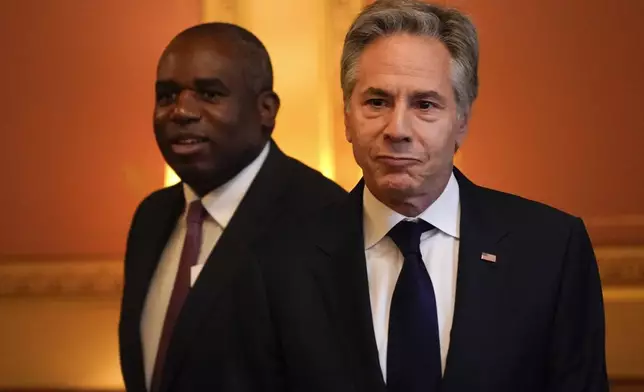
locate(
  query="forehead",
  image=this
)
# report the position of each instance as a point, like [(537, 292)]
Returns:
[(405, 61), (197, 58)]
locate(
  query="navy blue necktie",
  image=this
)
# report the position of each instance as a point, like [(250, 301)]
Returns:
[(413, 351)]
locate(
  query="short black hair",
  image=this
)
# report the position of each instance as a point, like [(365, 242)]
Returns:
[(255, 59)]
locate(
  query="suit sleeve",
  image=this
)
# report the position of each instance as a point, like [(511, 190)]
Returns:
[(126, 345), (132, 237), (577, 347)]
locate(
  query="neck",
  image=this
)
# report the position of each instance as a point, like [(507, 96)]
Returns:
[(203, 183)]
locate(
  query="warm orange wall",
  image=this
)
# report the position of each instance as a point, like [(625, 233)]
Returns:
[(559, 116), (77, 151)]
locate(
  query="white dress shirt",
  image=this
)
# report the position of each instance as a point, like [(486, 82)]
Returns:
[(220, 204), (439, 248)]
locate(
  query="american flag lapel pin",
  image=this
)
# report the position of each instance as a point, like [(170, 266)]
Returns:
[(488, 257)]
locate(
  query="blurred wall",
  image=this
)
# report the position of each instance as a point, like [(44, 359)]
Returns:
[(77, 152), (77, 156), (558, 119)]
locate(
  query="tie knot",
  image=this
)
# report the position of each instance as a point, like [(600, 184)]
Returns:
[(196, 212), (406, 234)]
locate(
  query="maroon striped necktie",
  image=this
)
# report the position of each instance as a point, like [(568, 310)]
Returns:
[(189, 255)]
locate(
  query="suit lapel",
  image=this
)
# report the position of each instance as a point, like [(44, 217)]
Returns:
[(152, 236), (233, 253), (347, 288), (477, 283)]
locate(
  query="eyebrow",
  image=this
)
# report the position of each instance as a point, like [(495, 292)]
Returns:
[(199, 83), (430, 95), (415, 95), (378, 92)]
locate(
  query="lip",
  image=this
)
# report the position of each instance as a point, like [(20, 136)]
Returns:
[(176, 137), (396, 161), (189, 149), (188, 144)]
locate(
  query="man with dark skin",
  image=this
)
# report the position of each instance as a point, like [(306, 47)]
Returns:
[(226, 112), (193, 312)]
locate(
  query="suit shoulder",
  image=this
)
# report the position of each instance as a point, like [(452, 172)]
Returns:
[(514, 207), (155, 200), (326, 217), (310, 183)]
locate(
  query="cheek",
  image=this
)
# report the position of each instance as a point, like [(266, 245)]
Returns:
[(222, 113), (364, 131), (438, 139), (160, 115), (364, 144)]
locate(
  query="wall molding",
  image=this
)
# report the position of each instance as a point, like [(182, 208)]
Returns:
[(621, 266), (59, 278), (76, 277), (616, 230), (622, 220)]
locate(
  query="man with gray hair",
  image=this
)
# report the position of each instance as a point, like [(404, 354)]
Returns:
[(421, 280)]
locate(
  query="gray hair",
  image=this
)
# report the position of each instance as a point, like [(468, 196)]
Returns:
[(388, 17)]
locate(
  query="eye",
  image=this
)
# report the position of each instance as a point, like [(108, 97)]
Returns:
[(210, 95), (165, 98), (426, 105), (377, 103)]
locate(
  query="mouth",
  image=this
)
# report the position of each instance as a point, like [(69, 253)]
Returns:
[(188, 144), (397, 162)]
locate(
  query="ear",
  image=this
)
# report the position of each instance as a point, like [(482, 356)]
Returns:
[(461, 130), (269, 105), (347, 121)]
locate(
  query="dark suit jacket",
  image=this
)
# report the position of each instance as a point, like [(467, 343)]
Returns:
[(220, 336), (533, 321)]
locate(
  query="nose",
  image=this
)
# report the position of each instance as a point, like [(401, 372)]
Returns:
[(186, 109), (398, 129)]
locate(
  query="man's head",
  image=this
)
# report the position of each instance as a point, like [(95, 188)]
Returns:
[(409, 79), (215, 106)]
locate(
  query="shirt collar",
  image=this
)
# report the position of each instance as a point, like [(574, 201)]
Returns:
[(444, 214), (222, 202)]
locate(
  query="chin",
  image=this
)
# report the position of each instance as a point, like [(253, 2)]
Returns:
[(190, 173), (397, 185)]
